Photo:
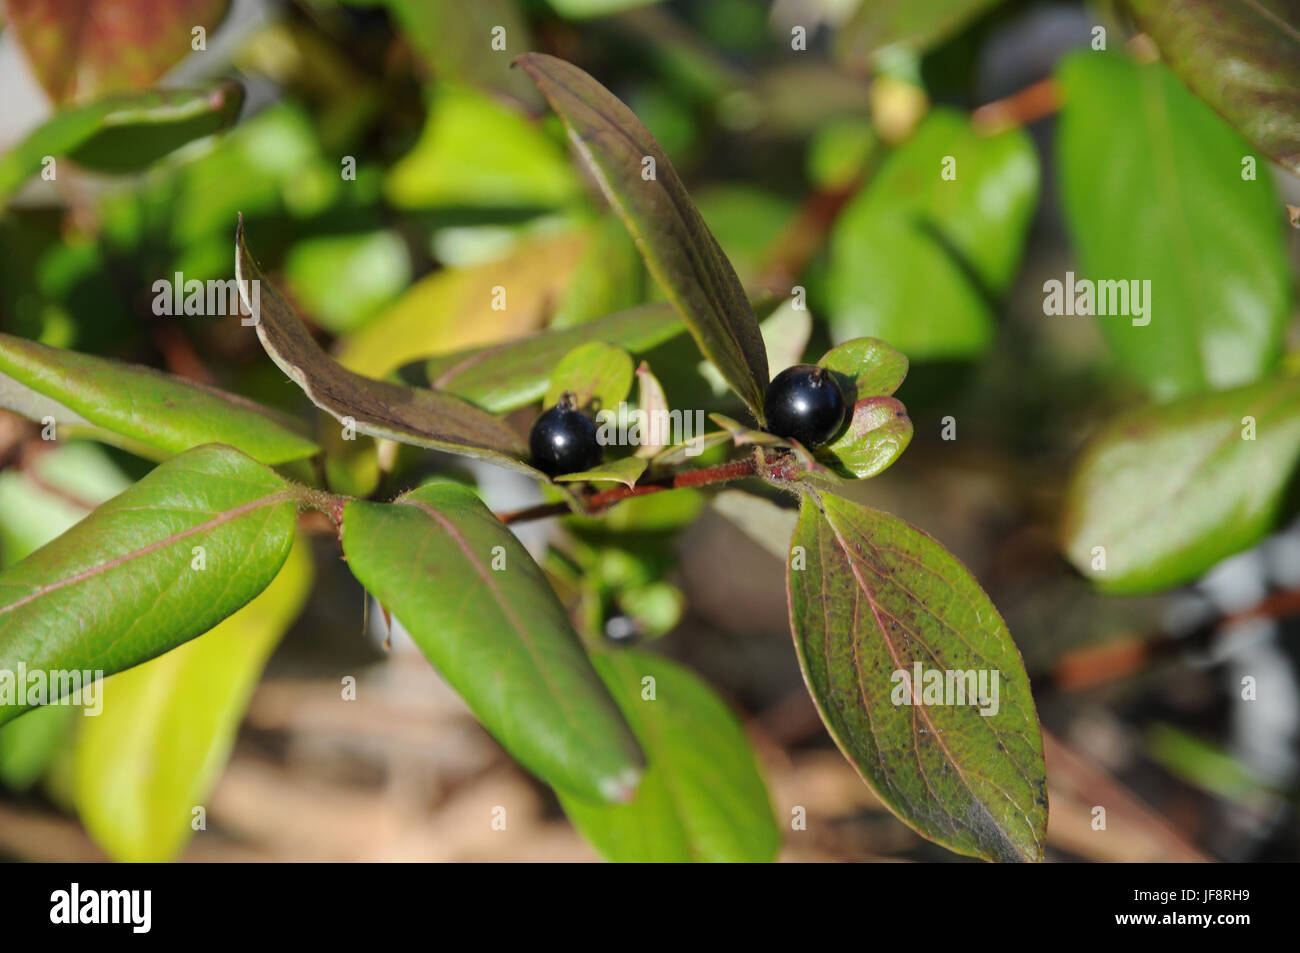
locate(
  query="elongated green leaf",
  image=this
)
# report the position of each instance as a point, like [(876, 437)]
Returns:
[(122, 133), (743, 435), (411, 415), (919, 250), (511, 375), (83, 49), (483, 613), (596, 374), (1154, 196), (166, 728), (1240, 56), (626, 470), (678, 247), (1167, 491), (917, 24), (702, 798), (785, 338), (877, 598), (684, 452), (125, 584), (137, 407)]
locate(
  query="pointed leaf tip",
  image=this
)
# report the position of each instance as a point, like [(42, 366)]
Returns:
[(647, 194)]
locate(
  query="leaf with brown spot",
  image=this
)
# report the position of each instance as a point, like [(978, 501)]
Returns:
[(678, 247)]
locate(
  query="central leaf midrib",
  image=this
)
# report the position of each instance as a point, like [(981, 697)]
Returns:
[(579, 725), (219, 520)]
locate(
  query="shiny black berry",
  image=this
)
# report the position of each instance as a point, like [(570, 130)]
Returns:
[(563, 440), (804, 403)]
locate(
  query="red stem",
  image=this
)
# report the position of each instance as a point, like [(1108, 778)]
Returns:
[(722, 473)]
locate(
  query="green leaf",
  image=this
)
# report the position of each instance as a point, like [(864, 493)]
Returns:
[(876, 598), (29, 745), (785, 337), (123, 133), (123, 585), (838, 152), (1169, 490), (597, 374), (609, 277), (747, 221), (51, 494), (498, 635), (702, 798), (1243, 58), (137, 408), (914, 257), (474, 152), (344, 280), (81, 50), (626, 470), (511, 375), (866, 367), (30, 516), (879, 430), (656, 608), (1152, 186), (424, 418), (877, 434), (157, 748), (915, 24), (655, 513), (587, 9), (679, 249)]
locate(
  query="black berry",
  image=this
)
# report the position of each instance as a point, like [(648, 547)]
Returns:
[(563, 440), (804, 403)]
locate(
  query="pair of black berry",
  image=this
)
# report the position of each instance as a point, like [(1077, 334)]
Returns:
[(803, 403)]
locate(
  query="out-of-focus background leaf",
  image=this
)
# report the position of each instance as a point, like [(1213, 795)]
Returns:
[(1211, 246), (81, 50), (918, 260)]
